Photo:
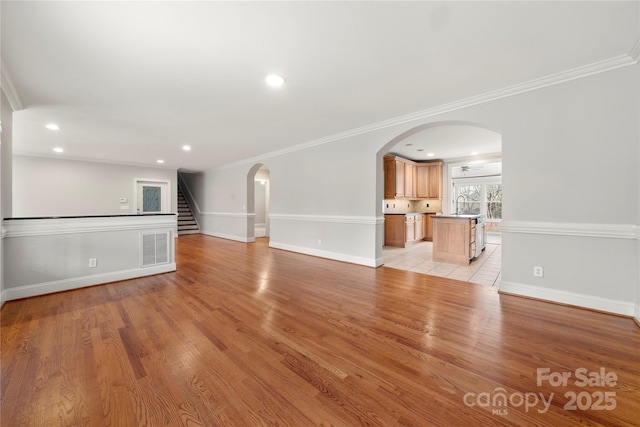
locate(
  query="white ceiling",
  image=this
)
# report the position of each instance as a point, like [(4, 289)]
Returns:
[(447, 142), (134, 81)]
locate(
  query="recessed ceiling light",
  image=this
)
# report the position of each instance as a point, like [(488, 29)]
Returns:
[(420, 149), (58, 150), (160, 161), (430, 154), (408, 145), (52, 126), (274, 80), (475, 153), (186, 147)]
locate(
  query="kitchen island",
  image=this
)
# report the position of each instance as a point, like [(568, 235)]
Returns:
[(457, 239)]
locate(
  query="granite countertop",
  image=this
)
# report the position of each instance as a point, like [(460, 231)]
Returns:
[(410, 213)]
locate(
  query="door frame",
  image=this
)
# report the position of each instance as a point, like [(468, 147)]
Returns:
[(165, 193)]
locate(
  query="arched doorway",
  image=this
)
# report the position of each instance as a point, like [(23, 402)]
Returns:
[(258, 200), (470, 156)]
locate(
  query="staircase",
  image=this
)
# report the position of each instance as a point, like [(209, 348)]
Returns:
[(186, 223)]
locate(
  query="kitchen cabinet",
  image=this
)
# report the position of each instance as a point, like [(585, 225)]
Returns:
[(409, 180), (394, 230), (410, 233), (405, 179), (394, 178), (418, 229), (454, 239), (429, 180), (435, 180), (403, 229), (427, 226)]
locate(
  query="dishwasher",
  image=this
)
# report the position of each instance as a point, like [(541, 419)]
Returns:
[(481, 234)]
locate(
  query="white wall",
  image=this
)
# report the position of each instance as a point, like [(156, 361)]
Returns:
[(6, 143), (637, 310), (52, 255), (570, 162), (6, 151), (60, 187)]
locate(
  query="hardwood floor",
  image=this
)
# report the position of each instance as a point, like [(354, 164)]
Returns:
[(244, 335)]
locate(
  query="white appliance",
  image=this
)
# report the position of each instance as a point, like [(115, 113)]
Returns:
[(481, 234)]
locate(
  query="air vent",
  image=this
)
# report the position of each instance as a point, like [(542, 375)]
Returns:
[(155, 249)]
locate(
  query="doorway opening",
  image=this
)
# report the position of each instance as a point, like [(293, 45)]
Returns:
[(469, 159), (258, 201), (151, 196)]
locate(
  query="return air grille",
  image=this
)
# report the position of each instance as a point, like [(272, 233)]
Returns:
[(155, 249)]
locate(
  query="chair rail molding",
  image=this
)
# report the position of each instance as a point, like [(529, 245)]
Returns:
[(611, 231), (341, 219)]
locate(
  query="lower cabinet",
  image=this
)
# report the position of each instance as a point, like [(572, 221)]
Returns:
[(394, 230), (427, 227), (418, 227), (402, 229)]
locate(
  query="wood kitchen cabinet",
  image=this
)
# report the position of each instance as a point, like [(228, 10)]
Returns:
[(394, 230), (418, 229), (410, 232), (405, 179), (429, 180), (394, 178), (427, 227), (409, 180), (435, 180), (403, 229)]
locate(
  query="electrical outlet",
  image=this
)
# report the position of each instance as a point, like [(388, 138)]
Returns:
[(538, 272), (93, 262)]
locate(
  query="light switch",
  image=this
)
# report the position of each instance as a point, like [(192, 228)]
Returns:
[(123, 200), (124, 208)]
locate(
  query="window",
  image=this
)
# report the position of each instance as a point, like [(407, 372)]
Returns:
[(468, 199), (478, 196), (494, 201)]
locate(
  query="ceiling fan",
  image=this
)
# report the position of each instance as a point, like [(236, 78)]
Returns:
[(465, 169)]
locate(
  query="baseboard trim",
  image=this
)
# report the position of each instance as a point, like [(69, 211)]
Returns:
[(83, 282), (636, 315), (336, 256), (570, 298), (243, 239)]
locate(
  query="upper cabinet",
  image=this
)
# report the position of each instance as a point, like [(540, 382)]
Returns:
[(434, 183), (394, 180), (405, 179)]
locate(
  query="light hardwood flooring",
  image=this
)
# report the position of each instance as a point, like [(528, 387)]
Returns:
[(244, 335), (485, 270)]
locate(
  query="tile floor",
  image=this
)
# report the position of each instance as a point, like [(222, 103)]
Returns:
[(485, 270)]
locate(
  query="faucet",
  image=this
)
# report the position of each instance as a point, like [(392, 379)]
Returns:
[(464, 198)]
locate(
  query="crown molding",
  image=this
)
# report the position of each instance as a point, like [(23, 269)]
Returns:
[(6, 84), (24, 153), (619, 61)]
